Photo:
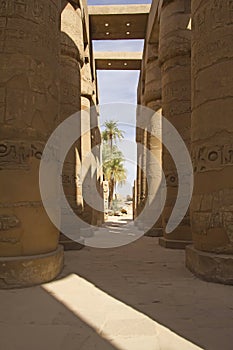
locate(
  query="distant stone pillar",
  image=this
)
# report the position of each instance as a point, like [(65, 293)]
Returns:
[(138, 181), (141, 154), (29, 56), (212, 149), (86, 152), (174, 56), (134, 200), (141, 184), (71, 60), (152, 98), (98, 215), (143, 193), (87, 92)]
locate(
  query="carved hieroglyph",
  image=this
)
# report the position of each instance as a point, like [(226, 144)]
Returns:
[(29, 46), (174, 56), (212, 125)]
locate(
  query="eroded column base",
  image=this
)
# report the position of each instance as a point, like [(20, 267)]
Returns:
[(69, 244), (154, 232), (210, 266), (26, 271), (173, 244)]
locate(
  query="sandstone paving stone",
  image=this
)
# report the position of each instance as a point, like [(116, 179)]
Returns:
[(92, 306)]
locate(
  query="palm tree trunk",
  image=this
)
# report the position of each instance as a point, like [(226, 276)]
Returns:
[(111, 190)]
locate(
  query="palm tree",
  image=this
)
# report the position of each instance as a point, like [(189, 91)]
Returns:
[(111, 132), (113, 169)]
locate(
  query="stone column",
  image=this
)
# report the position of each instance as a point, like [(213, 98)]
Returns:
[(141, 139), (174, 56), (98, 216), (212, 149), (29, 56), (143, 193), (71, 60), (152, 98), (134, 200), (138, 181), (85, 151), (87, 93)]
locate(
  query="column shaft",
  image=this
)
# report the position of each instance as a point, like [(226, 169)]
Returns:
[(174, 56), (212, 130), (29, 56), (71, 60), (152, 99)]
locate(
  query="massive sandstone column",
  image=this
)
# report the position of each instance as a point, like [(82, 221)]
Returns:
[(97, 176), (212, 148), (141, 139), (29, 56), (174, 56), (71, 60), (87, 92), (138, 181), (139, 159), (143, 195), (152, 99)]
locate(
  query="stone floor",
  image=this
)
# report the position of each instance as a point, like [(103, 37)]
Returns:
[(137, 297)]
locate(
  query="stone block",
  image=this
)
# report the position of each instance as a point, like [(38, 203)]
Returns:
[(210, 266), (25, 271)]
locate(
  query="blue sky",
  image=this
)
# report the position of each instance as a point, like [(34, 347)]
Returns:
[(120, 87)]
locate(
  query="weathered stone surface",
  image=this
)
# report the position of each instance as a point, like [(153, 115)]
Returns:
[(152, 76), (29, 47), (97, 172), (210, 266), (69, 244), (25, 271), (70, 103), (212, 129), (174, 37), (154, 168), (72, 26), (154, 232), (212, 140), (173, 243), (174, 57), (87, 213), (87, 86)]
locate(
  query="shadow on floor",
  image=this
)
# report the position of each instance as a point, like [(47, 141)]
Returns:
[(33, 319), (150, 279), (154, 281)]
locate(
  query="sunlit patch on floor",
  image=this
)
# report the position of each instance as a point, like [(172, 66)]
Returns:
[(121, 325)]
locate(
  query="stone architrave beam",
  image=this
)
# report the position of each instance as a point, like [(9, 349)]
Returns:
[(118, 60), (116, 22)]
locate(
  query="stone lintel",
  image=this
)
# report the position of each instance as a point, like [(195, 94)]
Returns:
[(118, 60), (113, 22)]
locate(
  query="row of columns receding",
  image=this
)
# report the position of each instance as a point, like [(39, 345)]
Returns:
[(187, 78)]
